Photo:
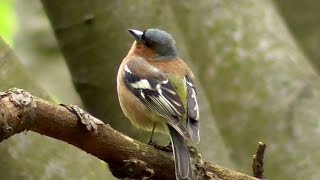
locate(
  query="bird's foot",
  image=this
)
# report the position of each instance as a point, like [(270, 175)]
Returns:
[(167, 148), (153, 143)]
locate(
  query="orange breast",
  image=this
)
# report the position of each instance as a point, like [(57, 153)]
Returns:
[(138, 114)]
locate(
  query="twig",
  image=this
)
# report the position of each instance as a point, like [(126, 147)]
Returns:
[(257, 163)]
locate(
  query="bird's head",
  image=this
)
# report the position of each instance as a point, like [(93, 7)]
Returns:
[(154, 44)]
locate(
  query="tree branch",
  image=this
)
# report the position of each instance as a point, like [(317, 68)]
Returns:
[(20, 111), (257, 161)]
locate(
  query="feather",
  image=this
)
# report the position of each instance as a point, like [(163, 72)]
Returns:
[(160, 96), (181, 155), (193, 111)]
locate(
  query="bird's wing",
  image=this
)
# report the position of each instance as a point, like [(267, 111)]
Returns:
[(158, 94), (193, 110)]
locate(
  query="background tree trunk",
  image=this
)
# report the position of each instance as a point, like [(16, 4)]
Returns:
[(259, 84), (30, 155), (302, 17), (95, 40), (252, 74)]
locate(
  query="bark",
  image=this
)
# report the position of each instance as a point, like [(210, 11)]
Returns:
[(20, 111)]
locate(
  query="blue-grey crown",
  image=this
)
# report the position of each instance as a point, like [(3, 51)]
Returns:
[(159, 36), (164, 44)]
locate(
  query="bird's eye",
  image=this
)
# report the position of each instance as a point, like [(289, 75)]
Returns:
[(147, 43), (143, 36)]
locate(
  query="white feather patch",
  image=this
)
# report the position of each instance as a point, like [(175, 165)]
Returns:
[(142, 84), (194, 97), (127, 69), (142, 94), (195, 108)]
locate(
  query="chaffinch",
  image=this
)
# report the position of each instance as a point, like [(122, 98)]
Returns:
[(156, 93)]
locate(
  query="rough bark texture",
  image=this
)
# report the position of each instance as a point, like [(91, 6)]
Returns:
[(20, 111)]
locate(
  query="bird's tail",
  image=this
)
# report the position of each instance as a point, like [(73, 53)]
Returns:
[(181, 155)]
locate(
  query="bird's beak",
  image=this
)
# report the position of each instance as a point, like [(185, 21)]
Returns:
[(136, 33)]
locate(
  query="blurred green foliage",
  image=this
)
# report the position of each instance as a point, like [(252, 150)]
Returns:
[(8, 22)]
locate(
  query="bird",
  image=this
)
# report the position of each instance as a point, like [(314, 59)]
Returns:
[(156, 93)]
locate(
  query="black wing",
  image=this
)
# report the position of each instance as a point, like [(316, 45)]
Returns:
[(160, 96), (193, 110)]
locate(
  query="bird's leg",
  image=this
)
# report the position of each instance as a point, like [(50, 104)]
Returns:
[(169, 147), (150, 141)]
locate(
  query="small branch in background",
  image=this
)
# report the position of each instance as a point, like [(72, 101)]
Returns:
[(127, 158), (257, 163)]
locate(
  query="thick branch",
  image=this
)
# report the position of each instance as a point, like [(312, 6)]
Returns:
[(19, 111)]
